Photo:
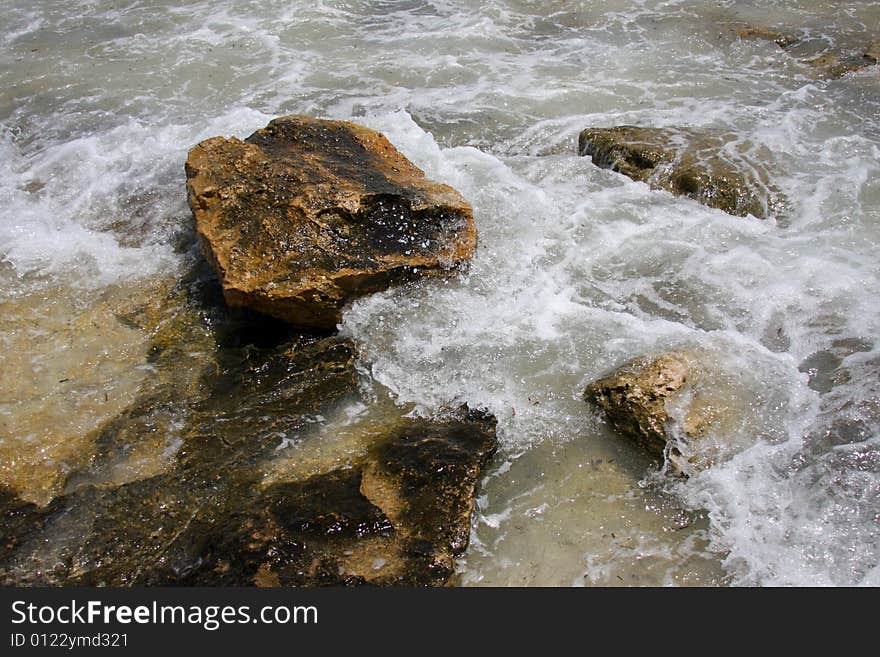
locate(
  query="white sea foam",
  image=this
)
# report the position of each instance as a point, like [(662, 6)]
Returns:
[(547, 305), (95, 205)]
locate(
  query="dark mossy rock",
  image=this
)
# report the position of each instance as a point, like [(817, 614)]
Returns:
[(399, 516), (704, 165), (306, 215)]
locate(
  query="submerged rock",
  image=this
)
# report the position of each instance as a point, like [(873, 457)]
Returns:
[(753, 32), (846, 54), (825, 367), (71, 363), (836, 64), (401, 515), (701, 164), (306, 215), (192, 484), (652, 400)]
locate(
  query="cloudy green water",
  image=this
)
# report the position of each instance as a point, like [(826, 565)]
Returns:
[(577, 270)]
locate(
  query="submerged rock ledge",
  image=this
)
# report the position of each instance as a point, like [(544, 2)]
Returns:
[(237, 462), (686, 161), (851, 52), (394, 511), (306, 215)]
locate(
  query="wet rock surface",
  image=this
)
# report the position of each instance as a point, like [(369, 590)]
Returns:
[(633, 397), (748, 32), (704, 165), (399, 516), (306, 215), (653, 401), (848, 53), (176, 488)]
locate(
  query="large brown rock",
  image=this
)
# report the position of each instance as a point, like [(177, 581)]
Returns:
[(685, 161), (306, 215)]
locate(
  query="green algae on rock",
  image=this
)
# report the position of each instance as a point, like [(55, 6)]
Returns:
[(306, 215), (700, 164)]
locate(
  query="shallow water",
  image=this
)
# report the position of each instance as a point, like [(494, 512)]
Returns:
[(578, 269)]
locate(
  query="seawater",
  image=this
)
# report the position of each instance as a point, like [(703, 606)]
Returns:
[(577, 270)]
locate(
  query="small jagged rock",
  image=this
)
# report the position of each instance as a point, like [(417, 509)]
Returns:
[(636, 399), (306, 215), (689, 162), (633, 398)]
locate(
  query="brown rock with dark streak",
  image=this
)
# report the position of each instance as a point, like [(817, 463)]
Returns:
[(687, 162), (306, 215)]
